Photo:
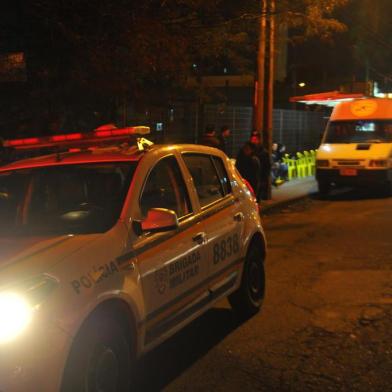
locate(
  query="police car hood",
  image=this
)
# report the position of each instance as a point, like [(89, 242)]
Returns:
[(355, 151), (39, 253)]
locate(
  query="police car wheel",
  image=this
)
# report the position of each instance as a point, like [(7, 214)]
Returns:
[(99, 360), (247, 300)]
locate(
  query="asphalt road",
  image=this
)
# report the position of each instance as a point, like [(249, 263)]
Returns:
[(326, 323)]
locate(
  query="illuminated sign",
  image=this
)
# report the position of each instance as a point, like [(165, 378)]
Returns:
[(364, 107)]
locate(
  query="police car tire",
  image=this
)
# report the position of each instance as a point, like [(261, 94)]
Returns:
[(247, 300), (82, 370)]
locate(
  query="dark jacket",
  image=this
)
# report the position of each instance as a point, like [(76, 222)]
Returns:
[(265, 162), (223, 143), (249, 168), (277, 156), (210, 140)]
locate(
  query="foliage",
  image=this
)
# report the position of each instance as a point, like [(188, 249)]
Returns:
[(370, 36), (313, 17), (117, 50), (122, 44)]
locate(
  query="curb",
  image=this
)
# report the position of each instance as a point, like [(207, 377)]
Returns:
[(281, 203)]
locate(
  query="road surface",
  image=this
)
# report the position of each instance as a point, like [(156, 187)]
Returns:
[(326, 323)]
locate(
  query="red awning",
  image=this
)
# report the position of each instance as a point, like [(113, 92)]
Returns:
[(330, 98)]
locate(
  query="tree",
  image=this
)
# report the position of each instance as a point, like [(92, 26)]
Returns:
[(155, 40), (312, 19), (371, 29), (87, 53), (108, 51)]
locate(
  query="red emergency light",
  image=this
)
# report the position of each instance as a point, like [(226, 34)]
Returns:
[(103, 133), (71, 136), (116, 134), (21, 142)]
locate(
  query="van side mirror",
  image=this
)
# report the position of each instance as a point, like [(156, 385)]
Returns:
[(159, 220)]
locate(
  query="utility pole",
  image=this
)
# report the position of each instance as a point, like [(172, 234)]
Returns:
[(265, 78), (260, 84), (270, 78)]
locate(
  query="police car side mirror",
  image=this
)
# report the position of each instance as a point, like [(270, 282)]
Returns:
[(158, 220)]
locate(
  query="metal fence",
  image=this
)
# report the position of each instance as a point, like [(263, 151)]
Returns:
[(297, 130)]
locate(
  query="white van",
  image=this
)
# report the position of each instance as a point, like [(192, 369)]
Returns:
[(356, 149)]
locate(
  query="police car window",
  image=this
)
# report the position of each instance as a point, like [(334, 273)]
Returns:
[(165, 188), (68, 199), (224, 178), (205, 178)]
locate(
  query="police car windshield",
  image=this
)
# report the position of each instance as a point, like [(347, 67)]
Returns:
[(67, 199), (360, 131)]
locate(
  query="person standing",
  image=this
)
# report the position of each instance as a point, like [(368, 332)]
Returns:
[(209, 138), (248, 165), (224, 139), (265, 165)]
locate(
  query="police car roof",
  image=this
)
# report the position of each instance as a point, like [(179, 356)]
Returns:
[(104, 155), (73, 158)]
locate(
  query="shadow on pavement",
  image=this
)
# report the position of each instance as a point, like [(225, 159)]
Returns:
[(352, 194), (162, 365)]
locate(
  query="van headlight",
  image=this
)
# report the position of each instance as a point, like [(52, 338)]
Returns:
[(15, 316), (322, 163), (378, 163)]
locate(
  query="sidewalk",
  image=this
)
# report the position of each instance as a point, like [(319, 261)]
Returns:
[(290, 191)]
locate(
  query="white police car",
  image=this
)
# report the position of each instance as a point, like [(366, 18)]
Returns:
[(107, 252)]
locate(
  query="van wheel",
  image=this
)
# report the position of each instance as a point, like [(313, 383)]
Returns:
[(100, 359), (247, 300), (324, 188)]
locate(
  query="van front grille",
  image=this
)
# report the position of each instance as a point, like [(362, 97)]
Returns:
[(348, 162)]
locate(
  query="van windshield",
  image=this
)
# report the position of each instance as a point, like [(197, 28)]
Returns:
[(359, 131), (67, 199)]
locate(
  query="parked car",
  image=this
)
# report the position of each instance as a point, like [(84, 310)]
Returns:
[(107, 252)]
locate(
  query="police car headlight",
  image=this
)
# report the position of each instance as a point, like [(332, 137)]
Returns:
[(15, 316)]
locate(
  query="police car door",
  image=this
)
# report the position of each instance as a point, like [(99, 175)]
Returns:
[(221, 217), (172, 265)]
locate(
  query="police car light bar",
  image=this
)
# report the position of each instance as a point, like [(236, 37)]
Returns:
[(77, 138), (140, 130)]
